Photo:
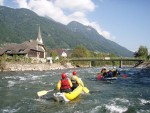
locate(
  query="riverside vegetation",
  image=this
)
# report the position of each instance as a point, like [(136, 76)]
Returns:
[(18, 25), (22, 63)]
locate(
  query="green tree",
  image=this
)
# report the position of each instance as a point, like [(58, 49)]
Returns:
[(53, 54), (148, 57), (142, 52), (3, 59), (80, 51)]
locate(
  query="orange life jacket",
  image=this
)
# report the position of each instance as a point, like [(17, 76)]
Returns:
[(65, 84)]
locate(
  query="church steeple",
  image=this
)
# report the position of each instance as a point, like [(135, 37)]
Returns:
[(39, 37)]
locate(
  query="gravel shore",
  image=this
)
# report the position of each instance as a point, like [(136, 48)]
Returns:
[(35, 67), (144, 65)]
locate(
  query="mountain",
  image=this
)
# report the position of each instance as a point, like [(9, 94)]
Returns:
[(100, 43), (19, 25)]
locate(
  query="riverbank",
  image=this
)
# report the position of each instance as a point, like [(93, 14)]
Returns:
[(144, 65), (47, 66), (35, 67)]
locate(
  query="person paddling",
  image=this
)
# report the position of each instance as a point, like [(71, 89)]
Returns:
[(115, 72), (76, 80), (64, 85), (99, 76), (104, 72)]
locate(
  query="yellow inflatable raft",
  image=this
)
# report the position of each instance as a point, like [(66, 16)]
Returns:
[(68, 96)]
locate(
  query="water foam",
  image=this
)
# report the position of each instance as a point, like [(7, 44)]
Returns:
[(116, 109), (11, 77), (43, 101), (9, 110), (117, 105), (143, 111), (96, 109), (143, 101), (22, 78), (11, 83), (121, 100)]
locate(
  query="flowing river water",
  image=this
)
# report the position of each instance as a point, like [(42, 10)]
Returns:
[(18, 92)]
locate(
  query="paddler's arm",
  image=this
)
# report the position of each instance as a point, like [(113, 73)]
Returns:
[(79, 81), (70, 82), (58, 85)]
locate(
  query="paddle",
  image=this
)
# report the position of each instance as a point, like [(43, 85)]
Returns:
[(44, 92), (85, 89)]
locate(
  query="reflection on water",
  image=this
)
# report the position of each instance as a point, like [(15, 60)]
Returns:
[(124, 95)]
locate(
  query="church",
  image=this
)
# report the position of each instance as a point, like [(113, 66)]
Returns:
[(34, 49)]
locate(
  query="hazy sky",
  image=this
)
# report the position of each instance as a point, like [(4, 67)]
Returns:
[(126, 22)]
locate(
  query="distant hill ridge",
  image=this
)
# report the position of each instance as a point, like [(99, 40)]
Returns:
[(19, 25)]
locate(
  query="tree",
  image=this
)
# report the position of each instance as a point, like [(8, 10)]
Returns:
[(53, 54), (142, 52), (80, 51), (148, 57), (3, 59)]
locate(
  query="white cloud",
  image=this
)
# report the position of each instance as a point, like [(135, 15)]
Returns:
[(102, 32), (75, 5), (56, 9), (47, 8), (78, 16), (22, 3), (1, 2)]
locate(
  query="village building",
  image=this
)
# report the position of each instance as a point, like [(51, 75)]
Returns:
[(33, 49), (60, 53)]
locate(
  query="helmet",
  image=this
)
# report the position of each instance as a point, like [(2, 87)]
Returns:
[(74, 73), (114, 67), (63, 75)]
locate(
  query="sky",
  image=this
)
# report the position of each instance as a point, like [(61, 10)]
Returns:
[(126, 22)]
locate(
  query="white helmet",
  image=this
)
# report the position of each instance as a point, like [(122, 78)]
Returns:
[(114, 67)]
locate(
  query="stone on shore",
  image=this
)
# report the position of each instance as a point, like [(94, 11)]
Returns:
[(144, 65), (35, 67)]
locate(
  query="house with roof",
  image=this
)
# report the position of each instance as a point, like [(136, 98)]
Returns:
[(34, 49), (60, 53)]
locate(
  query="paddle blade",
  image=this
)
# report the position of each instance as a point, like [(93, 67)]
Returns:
[(41, 93), (86, 90)]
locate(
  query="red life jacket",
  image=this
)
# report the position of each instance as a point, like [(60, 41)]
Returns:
[(99, 77), (65, 84)]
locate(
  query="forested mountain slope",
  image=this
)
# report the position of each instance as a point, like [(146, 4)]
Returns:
[(19, 25)]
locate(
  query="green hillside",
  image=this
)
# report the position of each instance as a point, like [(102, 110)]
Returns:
[(100, 43), (19, 25)]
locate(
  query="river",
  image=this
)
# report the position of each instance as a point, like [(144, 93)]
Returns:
[(18, 92)]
